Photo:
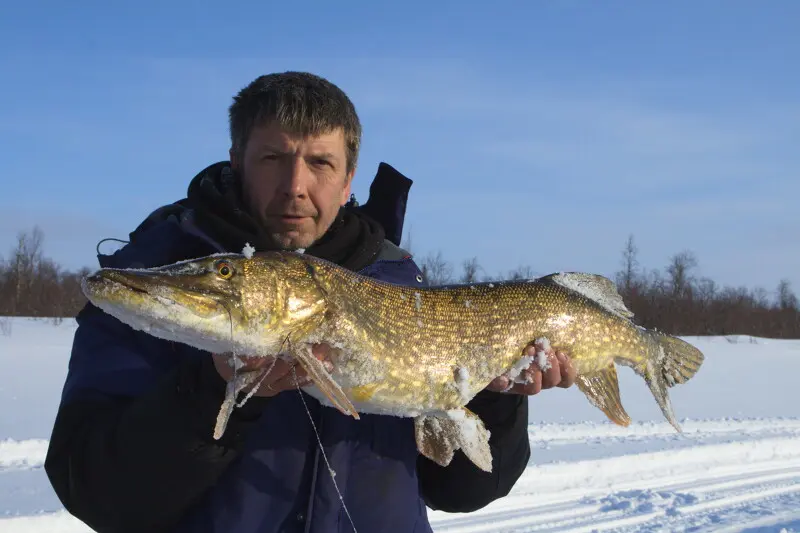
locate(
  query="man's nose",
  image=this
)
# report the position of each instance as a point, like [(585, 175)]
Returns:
[(295, 178)]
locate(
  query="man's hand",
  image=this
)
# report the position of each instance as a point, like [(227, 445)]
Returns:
[(561, 373), (282, 374)]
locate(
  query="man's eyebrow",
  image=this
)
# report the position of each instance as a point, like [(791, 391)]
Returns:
[(270, 148), (323, 155)]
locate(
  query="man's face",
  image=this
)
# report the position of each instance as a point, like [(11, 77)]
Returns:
[(294, 186)]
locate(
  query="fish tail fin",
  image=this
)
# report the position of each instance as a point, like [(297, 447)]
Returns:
[(680, 361), (673, 361)]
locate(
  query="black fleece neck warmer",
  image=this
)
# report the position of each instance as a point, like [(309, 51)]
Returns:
[(353, 240)]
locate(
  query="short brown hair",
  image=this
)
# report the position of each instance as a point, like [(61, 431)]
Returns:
[(300, 102)]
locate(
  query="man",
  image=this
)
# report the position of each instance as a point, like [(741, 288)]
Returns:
[(132, 446)]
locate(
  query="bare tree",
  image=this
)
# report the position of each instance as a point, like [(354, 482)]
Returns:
[(706, 289), (407, 241), (786, 297), (34, 285), (21, 268), (760, 297), (436, 269), (469, 270), (626, 278), (680, 272), (521, 272)]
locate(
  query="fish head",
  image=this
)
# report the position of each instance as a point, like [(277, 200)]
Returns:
[(220, 303)]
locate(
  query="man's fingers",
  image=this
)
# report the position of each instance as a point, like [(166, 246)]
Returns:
[(568, 371), (558, 371), (321, 351), (245, 363), (290, 379), (534, 386), (551, 372), (499, 384)]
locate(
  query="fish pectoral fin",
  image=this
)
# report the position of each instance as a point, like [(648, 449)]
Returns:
[(438, 438), (322, 379), (602, 390)]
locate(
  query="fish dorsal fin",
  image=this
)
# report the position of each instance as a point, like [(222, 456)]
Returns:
[(597, 288)]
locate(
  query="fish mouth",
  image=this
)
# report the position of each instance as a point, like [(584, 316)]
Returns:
[(155, 287)]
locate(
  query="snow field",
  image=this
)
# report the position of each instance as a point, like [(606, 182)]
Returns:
[(735, 467)]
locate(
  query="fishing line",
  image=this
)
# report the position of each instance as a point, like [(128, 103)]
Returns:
[(229, 403), (258, 384), (261, 379), (321, 449), (232, 359), (305, 405)]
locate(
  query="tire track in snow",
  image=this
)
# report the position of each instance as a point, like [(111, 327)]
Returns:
[(22, 454), (580, 433), (695, 482), (699, 485), (627, 507)]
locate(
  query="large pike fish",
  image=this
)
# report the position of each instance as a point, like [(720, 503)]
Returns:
[(404, 351)]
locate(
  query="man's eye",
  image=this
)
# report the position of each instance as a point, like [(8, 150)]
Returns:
[(270, 157), (322, 163)]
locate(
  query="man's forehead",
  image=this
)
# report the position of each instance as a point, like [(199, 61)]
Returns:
[(274, 133)]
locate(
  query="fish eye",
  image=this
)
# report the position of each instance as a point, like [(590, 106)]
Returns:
[(224, 270)]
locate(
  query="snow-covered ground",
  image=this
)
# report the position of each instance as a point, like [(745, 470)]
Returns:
[(736, 467)]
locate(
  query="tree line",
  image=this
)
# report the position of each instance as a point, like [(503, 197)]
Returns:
[(673, 300), (34, 285)]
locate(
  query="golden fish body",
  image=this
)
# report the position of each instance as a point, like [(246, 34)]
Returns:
[(399, 350)]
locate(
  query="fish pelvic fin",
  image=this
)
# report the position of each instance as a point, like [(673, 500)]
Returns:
[(673, 361), (602, 390), (322, 379), (439, 437)]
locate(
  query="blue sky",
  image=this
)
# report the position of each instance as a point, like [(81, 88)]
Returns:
[(537, 135)]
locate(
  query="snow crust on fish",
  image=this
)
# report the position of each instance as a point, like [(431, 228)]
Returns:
[(248, 250), (462, 383), (162, 320), (541, 356), (523, 363)]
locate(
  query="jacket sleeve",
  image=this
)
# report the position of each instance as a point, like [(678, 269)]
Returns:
[(136, 462), (463, 487)]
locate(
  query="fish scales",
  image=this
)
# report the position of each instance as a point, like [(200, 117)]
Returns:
[(421, 352), (424, 336)]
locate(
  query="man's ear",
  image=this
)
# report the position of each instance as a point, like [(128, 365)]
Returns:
[(348, 186), (235, 163)]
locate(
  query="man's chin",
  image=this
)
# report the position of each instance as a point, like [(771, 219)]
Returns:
[(292, 240)]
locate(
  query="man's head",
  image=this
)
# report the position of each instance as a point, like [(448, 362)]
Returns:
[(295, 139)]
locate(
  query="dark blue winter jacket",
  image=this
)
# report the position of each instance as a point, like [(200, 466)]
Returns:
[(131, 448)]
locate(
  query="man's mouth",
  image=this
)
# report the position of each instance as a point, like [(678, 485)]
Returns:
[(292, 218)]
